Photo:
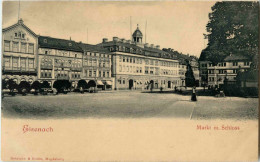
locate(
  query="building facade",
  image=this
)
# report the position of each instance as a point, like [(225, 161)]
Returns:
[(117, 64), (186, 62), (97, 63), (141, 66), (228, 69), (19, 58), (59, 59)]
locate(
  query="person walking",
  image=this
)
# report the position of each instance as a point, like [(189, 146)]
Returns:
[(193, 95)]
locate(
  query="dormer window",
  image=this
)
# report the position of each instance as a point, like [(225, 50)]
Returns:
[(45, 40)]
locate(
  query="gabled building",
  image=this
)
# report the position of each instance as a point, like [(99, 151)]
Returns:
[(136, 65), (19, 57), (228, 69)]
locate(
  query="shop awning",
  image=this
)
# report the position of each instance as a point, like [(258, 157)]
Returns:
[(99, 82), (108, 82)]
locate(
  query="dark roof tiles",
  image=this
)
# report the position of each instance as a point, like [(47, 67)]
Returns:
[(236, 57), (147, 51), (93, 48), (61, 44)]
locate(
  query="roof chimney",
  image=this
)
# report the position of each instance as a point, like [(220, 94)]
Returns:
[(128, 41), (123, 40), (105, 40), (151, 46), (157, 47), (20, 21), (146, 45), (115, 39)]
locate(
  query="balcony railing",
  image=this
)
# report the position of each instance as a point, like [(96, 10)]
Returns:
[(47, 67), (76, 68)]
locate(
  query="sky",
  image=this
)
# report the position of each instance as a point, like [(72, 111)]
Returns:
[(177, 24)]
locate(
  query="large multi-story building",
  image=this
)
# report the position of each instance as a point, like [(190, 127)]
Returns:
[(19, 58), (97, 66), (136, 65), (116, 64), (228, 69), (186, 62), (29, 57), (59, 59)]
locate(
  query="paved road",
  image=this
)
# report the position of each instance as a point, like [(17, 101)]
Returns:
[(129, 104)]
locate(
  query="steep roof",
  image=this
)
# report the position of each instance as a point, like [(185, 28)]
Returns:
[(147, 51), (20, 22), (236, 57), (181, 57), (56, 43)]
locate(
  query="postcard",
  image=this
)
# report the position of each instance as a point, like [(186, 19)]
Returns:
[(129, 81)]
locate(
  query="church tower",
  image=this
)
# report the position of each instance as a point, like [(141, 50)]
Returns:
[(137, 36)]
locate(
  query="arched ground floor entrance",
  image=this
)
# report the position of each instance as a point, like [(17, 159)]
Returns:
[(131, 84), (169, 84), (144, 82)]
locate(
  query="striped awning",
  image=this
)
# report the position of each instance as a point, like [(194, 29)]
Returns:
[(99, 82), (108, 82)]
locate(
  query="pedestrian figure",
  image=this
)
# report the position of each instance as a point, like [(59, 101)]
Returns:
[(54, 91), (161, 89), (81, 90), (193, 95)]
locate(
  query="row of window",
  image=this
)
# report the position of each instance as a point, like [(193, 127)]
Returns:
[(61, 74), (182, 66), (75, 75), (161, 63), (130, 59), (19, 35), (138, 51), (168, 72), (95, 73), (126, 49), (147, 61), (131, 69), (98, 54), (95, 62), (13, 62), (67, 63), (223, 64), (61, 53), (211, 79), (234, 71), (48, 74), (163, 82), (18, 47)]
